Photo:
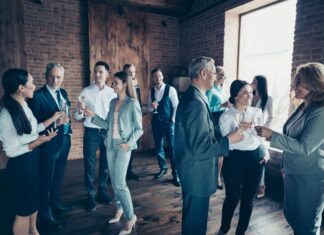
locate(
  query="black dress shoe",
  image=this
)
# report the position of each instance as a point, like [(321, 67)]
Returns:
[(61, 208), (50, 224), (132, 176), (103, 198), (161, 173), (90, 204), (176, 181)]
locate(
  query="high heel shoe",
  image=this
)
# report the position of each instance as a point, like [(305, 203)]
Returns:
[(117, 217), (129, 226)]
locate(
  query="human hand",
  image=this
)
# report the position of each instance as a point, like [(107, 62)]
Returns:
[(50, 134), (89, 113), (263, 132), (57, 115), (124, 146), (154, 105), (264, 160), (235, 136)]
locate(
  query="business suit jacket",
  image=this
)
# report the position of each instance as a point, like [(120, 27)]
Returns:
[(303, 142), (43, 107), (196, 147), (129, 122)]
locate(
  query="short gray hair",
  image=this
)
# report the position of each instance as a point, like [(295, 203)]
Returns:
[(199, 64), (50, 66)]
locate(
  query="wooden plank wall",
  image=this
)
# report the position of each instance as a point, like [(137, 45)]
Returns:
[(11, 43), (119, 35)]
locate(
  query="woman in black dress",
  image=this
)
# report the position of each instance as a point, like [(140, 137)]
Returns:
[(20, 139)]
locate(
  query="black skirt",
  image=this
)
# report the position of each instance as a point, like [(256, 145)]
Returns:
[(23, 177)]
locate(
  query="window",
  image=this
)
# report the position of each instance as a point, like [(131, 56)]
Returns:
[(265, 48)]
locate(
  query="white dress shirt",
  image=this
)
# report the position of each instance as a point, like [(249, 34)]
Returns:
[(159, 95), (97, 101), (230, 121), (267, 112), (15, 145)]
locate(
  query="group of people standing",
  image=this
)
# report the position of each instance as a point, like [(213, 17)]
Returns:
[(206, 133), (238, 132), (36, 134)]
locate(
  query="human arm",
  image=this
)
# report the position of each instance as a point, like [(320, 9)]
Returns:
[(175, 101), (306, 143), (136, 116)]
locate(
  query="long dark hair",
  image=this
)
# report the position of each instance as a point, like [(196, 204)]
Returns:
[(11, 80), (125, 78), (262, 87)]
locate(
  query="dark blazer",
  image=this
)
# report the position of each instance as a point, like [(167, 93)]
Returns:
[(196, 147), (43, 107)]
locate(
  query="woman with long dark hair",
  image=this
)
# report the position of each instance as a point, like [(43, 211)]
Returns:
[(262, 100), (19, 135), (242, 168), (124, 128)]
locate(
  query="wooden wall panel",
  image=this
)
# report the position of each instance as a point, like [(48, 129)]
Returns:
[(119, 35), (11, 43)]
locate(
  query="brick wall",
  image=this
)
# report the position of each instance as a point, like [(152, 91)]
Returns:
[(164, 53), (202, 30), (309, 33), (57, 31)]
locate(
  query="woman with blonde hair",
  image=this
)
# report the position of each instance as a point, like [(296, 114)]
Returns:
[(217, 104), (124, 128), (302, 143)]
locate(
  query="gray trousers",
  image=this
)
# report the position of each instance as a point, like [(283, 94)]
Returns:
[(118, 160), (304, 203)]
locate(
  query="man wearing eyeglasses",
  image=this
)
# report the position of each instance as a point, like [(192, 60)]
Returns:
[(197, 148), (47, 100)]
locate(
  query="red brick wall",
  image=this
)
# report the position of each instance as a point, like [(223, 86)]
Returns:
[(164, 53), (57, 31), (202, 30), (309, 33)]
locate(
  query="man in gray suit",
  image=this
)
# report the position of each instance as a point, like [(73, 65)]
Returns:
[(196, 147)]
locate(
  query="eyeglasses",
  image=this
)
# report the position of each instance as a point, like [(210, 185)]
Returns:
[(212, 72)]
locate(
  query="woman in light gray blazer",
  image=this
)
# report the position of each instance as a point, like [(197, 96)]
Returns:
[(124, 128), (302, 143)]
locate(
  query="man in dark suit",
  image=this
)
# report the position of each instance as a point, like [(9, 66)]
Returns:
[(53, 156), (196, 147)]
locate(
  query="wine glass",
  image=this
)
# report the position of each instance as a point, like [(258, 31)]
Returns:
[(155, 110), (83, 103)]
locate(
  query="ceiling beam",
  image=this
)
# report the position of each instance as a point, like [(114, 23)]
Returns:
[(165, 7)]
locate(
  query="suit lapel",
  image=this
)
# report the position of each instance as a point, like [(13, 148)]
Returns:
[(200, 95), (50, 98)]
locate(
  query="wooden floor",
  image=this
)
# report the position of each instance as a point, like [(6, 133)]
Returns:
[(157, 205)]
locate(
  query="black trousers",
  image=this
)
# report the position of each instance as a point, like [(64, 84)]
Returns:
[(242, 174), (194, 215), (52, 168)]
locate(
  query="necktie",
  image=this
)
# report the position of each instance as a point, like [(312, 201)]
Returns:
[(65, 109), (58, 98)]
